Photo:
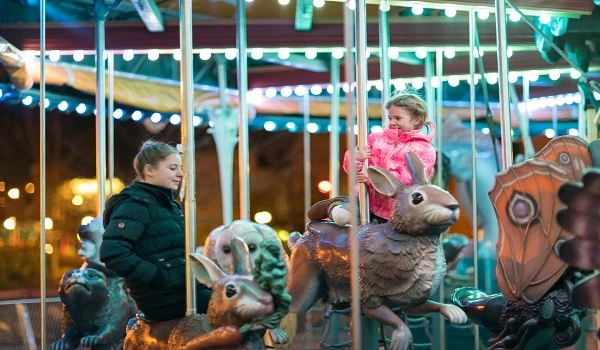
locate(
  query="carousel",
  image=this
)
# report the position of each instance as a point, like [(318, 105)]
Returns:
[(497, 247)]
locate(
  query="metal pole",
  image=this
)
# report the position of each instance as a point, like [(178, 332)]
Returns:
[(429, 90), (187, 140), (334, 135), (555, 119), (242, 79), (349, 40), (474, 164), (581, 116), (369, 327), (111, 121), (362, 115), (505, 129), (384, 60), (225, 140), (43, 174), (527, 143), (439, 65), (100, 14), (306, 153)]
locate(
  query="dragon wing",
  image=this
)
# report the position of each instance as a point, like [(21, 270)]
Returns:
[(526, 203)]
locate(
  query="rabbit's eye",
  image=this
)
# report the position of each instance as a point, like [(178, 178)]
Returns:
[(226, 249), (91, 274), (252, 247), (416, 198), (230, 291)]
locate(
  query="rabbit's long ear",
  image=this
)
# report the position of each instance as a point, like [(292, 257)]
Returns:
[(384, 182), (417, 169), (205, 270), (241, 257)]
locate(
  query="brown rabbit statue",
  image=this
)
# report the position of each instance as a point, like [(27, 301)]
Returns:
[(401, 262), (238, 307)]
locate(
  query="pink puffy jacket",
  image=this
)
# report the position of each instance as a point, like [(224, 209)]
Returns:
[(388, 151)]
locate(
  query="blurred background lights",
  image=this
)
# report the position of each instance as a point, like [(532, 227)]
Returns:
[(324, 186), (573, 132), (128, 55), (48, 249), (550, 133), (269, 125), (78, 56), (291, 126), (453, 81), (197, 120), (86, 220), (337, 53), (14, 193), (450, 11), (417, 9), (54, 56), (81, 108), (77, 200), (63, 106), (175, 119), (311, 53), (312, 127), (28, 100), (316, 89), (263, 217), (421, 53), (10, 223), (376, 128), (283, 235), (155, 117), (283, 53), (204, 54), (153, 55), (300, 90), (483, 14), (257, 54), (545, 18), (230, 54), (318, 3), (449, 53), (271, 92), (286, 91), (118, 113), (48, 223), (30, 188), (554, 74), (514, 16), (136, 115)]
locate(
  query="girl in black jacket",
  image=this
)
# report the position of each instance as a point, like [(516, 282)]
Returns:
[(144, 240)]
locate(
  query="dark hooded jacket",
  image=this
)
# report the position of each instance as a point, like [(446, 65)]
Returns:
[(144, 243)]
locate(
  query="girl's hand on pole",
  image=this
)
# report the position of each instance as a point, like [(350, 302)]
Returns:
[(363, 153)]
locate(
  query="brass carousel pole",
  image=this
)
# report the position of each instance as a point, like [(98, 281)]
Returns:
[(505, 129), (242, 80), (42, 174), (384, 59), (473, 163), (334, 136), (187, 140)]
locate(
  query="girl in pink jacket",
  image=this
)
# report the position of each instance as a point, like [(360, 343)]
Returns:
[(408, 131)]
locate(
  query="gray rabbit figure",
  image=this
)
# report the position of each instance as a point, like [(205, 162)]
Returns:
[(401, 262)]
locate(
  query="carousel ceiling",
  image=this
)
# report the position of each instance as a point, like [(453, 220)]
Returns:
[(292, 48)]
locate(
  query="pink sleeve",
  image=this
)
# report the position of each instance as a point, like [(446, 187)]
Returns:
[(346, 164)]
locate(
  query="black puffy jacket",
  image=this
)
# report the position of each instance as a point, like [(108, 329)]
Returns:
[(144, 243)]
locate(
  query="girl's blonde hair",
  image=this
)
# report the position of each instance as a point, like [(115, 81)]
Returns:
[(411, 102), (152, 152)]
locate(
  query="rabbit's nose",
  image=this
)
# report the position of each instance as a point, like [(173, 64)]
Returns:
[(452, 206)]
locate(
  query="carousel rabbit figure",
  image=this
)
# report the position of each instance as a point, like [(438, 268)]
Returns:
[(241, 307), (401, 262)]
